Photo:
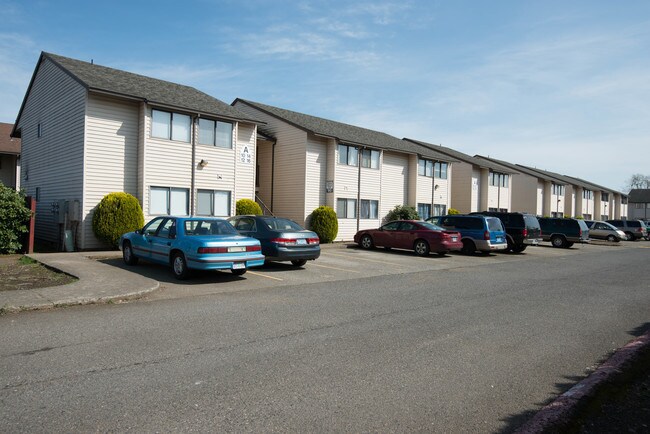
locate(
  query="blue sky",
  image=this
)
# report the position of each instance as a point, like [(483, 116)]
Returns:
[(562, 86)]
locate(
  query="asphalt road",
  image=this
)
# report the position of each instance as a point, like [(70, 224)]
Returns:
[(357, 341)]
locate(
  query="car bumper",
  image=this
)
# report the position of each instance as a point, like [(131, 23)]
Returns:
[(227, 262), (488, 246), (531, 241), (448, 246), (292, 254)]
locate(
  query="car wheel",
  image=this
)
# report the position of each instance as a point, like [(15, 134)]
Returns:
[(299, 262), (519, 248), (421, 248), (630, 236), (511, 245), (612, 238), (179, 266), (558, 241), (366, 242), (567, 245), (468, 247), (239, 271), (127, 254)]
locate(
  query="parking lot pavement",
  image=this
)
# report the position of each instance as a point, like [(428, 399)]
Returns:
[(343, 262)]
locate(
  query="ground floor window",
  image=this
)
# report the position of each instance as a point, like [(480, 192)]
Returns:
[(213, 203), (346, 208), (424, 210), (369, 209), (439, 209), (169, 201), (604, 217), (503, 209), (560, 214), (492, 209), (587, 216)]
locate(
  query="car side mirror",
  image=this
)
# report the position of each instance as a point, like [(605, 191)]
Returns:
[(138, 231)]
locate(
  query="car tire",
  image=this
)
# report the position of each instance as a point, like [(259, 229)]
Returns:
[(558, 241), (299, 262), (421, 248), (569, 244), (366, 242), (469, 248), (511, 245), (630, 236), (127, 254), (239, 271), (519, 248), (179, 266), (612, 239)]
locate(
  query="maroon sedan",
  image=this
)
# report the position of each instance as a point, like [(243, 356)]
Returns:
[(422, 237)]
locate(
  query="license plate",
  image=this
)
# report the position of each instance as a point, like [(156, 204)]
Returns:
[(301, 241), (499, 240), (238, 265), (454, 238), (236, 249)]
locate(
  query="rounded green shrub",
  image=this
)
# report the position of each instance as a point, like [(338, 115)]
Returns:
[(117, 214), (13, 219), (324, 222), (401, 212), (247, 207), (453, 211)]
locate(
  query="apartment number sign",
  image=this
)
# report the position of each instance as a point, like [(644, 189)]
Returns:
[(245, 156)]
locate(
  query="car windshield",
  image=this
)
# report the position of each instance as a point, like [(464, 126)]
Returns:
[(431, 226), (209, 227), (282, 224)]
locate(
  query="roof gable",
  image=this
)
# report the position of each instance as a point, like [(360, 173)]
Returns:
[(639, 195), (8, 144)]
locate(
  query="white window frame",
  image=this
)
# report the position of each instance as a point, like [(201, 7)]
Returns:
[(370, 158), (427, 208), (372, 208), (170, 202), (351, 154), (170, 134), (214, 202), (346, 208)]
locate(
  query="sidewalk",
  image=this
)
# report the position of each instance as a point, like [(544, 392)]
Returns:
[(98, 283)]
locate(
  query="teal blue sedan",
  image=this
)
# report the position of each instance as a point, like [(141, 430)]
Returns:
[(185, 243)]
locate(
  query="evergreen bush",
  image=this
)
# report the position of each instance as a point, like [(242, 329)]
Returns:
[(117, 214), (13, 219), (247, 207), (402, 213), (453, 211), (324, 222)]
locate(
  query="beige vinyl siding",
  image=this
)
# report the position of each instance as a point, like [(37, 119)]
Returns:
[(464, 187), (265, 181), (290, 150), (442, 195), (168, 164), (424, 192), (394, 181), (345, 187), (111, 155), (524, 193), (557, 203), (315, 173), (493, 197), (54, 162), (540, 198), (330, 198), (246, 137)]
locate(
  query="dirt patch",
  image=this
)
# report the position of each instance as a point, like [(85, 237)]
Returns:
[(20, 272)]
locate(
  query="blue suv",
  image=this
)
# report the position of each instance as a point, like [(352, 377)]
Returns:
[(477, 232)]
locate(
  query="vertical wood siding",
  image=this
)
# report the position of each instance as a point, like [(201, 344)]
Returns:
[(111, 155), (54, 162)]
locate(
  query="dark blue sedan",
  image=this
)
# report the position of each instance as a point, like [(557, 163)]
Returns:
[(187, 243), (282, 239)]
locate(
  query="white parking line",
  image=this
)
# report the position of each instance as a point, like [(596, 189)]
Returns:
[(264, 275), (334, 268), (363, 259)]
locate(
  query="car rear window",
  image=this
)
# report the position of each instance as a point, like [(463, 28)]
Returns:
[(209, 227), (633, 224), (531, 221), (494, 224), (282, 224), (469, 222), (431, 226)]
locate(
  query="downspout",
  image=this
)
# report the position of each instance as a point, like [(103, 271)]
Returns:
[(193, 183), (272, 174), (358, 189), (433, 185)]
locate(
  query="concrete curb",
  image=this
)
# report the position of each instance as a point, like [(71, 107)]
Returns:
[(98, 283), (561, 411)]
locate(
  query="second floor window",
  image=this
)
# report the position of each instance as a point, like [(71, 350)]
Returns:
[(348, 155), (440, 170), (215, 133), (370, 158), (558, 190), (605, 197), (499, 179), (170, 126), (425, 167), (587, 194)]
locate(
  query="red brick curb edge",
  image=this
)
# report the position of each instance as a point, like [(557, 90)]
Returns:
[(559, 412)]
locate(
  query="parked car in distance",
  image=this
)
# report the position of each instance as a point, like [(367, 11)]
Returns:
[(605, 231), (477, 232), (282, 239), (563, 232), (184, 243), (522, 230), (421, 237), (634, 229)]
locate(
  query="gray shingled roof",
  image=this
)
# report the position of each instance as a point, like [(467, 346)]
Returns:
[(593, 186), (525, 170), (121, 83), (477, 160), (345, 133), (562, 178), (639, 195)]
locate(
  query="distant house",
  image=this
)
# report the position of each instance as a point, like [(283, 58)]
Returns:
[(478, 184), (639, 204), (9, 157), (306, 161), (88, 130)]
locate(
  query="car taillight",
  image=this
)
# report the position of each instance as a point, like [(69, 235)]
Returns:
[(285, 241), (524, 232), (486, 235), (253, 248), (579, 232), (213, 250), (640, 230), (313, 240)]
